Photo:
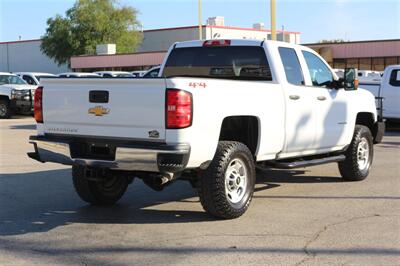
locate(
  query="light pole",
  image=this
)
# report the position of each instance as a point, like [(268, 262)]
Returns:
[(200, 24), (273, 20)]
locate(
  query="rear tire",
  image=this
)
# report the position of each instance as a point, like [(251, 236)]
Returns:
[(359, 155), (5, 111), (105, 191), (226, 187)]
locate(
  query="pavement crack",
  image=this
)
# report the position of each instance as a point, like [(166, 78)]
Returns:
[(310, 254)]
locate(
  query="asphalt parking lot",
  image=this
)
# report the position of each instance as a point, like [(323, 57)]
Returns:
[(303, 217)]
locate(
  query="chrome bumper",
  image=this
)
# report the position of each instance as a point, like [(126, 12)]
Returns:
[(160, 158), (24, 100)]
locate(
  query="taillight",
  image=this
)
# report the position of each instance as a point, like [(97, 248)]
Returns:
[(217, 43), (38, 105), (179, 109)]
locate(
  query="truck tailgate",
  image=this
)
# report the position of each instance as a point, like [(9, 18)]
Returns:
[(135, 108)]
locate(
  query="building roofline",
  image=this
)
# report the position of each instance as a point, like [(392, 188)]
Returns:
[(350, 42), (251, 29), (174, 28), (22, 41), (218, 27)]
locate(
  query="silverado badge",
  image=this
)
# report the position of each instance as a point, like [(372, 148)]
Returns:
[(98, 110)]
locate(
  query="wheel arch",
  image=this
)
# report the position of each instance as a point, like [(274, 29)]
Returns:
[(367, 119), (242, 128), (5, 97)]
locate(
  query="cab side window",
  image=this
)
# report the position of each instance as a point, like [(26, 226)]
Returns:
[(321, 75), (291, 64), (29, 80), (395, 78)]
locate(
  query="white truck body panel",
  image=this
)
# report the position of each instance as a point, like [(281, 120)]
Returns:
[(210, 110), (389, 92)]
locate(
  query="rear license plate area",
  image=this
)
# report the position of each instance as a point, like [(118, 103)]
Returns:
[(93, 150)]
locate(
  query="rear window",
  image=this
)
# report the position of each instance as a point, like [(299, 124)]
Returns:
[(228, 62), (292, 67)]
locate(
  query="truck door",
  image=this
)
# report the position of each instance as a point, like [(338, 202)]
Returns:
[(301, 113), (391, 94), (331, 107)]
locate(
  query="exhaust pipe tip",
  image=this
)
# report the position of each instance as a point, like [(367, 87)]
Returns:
[(157, 182)]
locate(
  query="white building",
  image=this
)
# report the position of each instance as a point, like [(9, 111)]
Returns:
[(162, 39), (26, 56)]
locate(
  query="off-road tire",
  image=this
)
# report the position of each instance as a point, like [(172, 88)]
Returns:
[(6, 113), (105, 192), (211, 183), (349, 168)]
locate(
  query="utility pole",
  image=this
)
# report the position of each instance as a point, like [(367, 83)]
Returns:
[(273, 20), (200, 23)]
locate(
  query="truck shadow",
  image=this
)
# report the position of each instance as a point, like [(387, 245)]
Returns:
[(42, 201)]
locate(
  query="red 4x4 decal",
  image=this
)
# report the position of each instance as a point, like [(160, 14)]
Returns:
[(197, 84)]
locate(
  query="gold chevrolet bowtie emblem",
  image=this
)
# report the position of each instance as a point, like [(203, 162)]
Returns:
[(99, 111)]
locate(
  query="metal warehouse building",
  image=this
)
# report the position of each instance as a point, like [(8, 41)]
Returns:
[(20, 56), (363, 55), (156, 43)]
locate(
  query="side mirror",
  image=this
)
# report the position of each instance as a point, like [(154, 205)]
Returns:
[(350, 81)]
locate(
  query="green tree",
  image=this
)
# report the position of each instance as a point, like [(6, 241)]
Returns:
[(87, 24)]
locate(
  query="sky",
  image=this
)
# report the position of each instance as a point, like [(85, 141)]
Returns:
[(351, 20)]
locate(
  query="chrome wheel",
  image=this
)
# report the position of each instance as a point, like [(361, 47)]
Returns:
[(363, 154), (236, 180)]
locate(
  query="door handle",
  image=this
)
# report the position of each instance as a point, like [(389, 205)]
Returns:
[(321, 98), (294, 97)]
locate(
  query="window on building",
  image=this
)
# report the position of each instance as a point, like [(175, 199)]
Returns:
[(321, 75), (352, 63), (378, 64), (292, 67), (365, 64), (339, 63), (390, 61)]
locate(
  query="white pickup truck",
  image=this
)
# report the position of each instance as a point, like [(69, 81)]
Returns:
[(15, 95), (387, 88), (218, 109)]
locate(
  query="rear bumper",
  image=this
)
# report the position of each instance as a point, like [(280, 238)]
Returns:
[(123, 155)]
